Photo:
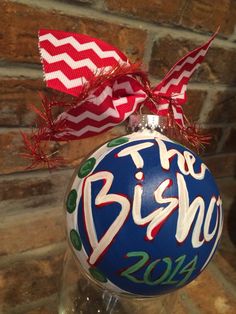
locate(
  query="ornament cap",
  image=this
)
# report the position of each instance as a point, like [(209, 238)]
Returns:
[(141, 122)]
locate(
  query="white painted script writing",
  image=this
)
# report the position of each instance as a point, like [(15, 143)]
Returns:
[(187, 212)]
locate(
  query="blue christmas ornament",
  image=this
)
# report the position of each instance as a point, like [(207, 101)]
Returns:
[(144, 215)]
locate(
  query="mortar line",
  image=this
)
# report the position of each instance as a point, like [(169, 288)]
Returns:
[(20, 72), (51, 211), (12, 128), (223, 139), (211, 86), (148, 49), (207, 106), (88, 12), (199, 85), (183, 9), (39, 173), (99, 5), (222, 154), (13, 69), (43, 252), (232, 37), (217, 125)]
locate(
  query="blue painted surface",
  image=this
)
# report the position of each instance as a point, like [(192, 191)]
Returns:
[(132, 238)]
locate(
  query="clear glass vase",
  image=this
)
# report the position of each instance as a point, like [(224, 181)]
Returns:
[(81, 294)]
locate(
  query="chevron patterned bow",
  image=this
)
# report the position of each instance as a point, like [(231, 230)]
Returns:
[(106, 88), (70, 61)]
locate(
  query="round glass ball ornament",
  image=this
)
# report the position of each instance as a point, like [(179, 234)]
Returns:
[(144, 215)]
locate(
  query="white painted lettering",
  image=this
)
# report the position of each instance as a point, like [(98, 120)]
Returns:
[(102, 199), (133, 151)]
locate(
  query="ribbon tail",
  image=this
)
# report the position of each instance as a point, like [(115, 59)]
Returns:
[(174, 85), (71, 60)]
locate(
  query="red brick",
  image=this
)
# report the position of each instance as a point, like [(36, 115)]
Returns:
[(206, 150), (75, 150), (22, 188), (201, 15), (129, 40), (208, 15), (167, 51), (152, 10), (230, 143), (33, 191), (223, 110), (19, 43), (15, 97), (221, 165), (25, 232), (194, 104), (219, 66), (12, 145), (33, 185), (216, 134), (227, 187), (30, 280)]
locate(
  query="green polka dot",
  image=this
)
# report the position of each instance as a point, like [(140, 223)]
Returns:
[(71, 201), (75, 239), (97, 274), (118, 141), (86, 167)]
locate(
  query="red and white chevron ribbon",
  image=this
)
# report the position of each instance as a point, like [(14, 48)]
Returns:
[(174, 84), (71, 60), (106, 90)]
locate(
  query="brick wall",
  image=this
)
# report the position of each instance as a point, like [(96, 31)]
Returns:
[(158, 33)]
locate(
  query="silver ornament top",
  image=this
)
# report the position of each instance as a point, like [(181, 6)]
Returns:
[(140, 122)]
